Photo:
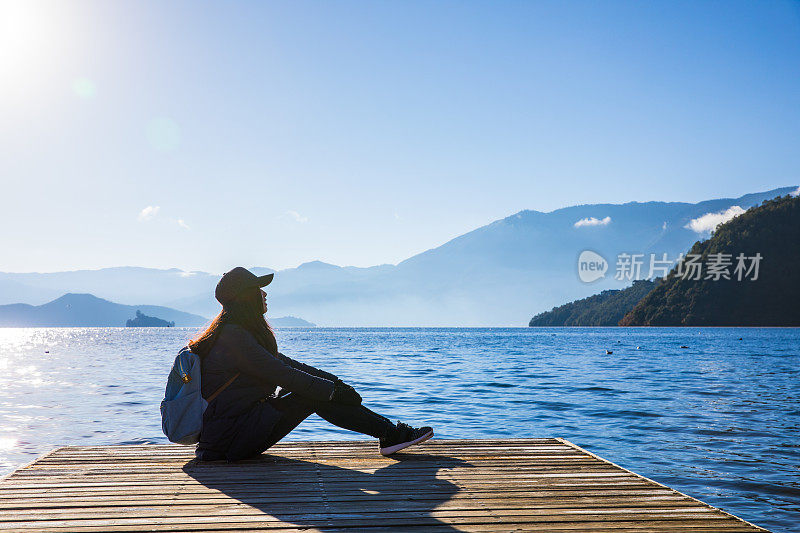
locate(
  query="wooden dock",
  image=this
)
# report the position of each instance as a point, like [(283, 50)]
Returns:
[(443, 485)]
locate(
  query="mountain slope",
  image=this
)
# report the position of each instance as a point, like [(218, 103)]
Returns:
[(490, 276), (771, 230)]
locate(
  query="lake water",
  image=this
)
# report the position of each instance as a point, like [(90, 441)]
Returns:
[(718, 420)]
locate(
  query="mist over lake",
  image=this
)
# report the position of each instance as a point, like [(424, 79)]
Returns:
[(717, 420)]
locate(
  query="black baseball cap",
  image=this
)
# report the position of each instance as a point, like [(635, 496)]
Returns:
[(235, 281)]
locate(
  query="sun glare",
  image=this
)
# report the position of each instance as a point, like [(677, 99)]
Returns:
[(35, 39), (26, 30)]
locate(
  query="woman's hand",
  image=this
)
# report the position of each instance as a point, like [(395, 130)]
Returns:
[(345, 394)]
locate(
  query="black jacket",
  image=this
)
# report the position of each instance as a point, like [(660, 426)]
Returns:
[(237, 423)]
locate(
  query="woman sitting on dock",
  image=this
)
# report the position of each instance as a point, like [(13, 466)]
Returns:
[(240, 357)]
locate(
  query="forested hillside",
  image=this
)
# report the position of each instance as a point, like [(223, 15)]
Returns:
[(603, 309), (744, 275)]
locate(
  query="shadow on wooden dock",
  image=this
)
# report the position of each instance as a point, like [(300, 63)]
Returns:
[(330, 496)]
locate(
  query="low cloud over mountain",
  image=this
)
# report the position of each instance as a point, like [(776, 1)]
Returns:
[(707, 223)]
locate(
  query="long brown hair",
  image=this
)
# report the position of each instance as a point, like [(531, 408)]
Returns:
[(248, 312)]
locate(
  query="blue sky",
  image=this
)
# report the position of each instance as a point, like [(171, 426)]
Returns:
[(360, 133)]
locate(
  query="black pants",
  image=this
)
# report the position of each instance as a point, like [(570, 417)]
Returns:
[(295, 408)]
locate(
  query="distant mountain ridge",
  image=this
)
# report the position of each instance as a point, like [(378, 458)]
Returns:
[(290, 322), (498, 274), (86, 310)]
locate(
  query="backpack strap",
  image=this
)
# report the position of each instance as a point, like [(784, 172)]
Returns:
[(222, 388)]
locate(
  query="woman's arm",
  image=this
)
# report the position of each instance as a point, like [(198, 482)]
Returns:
[(308, 369), (345, 393), (252, 358)]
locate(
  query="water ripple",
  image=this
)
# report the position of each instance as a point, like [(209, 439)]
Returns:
[(718, 420)]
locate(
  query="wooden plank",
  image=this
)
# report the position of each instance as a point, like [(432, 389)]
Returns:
[(498, 501), (431, 526), (442, 485), (401, 524), (362, 509), (36, 498)]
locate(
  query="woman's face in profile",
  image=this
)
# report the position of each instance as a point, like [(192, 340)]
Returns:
[(264, 297)]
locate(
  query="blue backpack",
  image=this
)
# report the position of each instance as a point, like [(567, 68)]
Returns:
[(183, 405)]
